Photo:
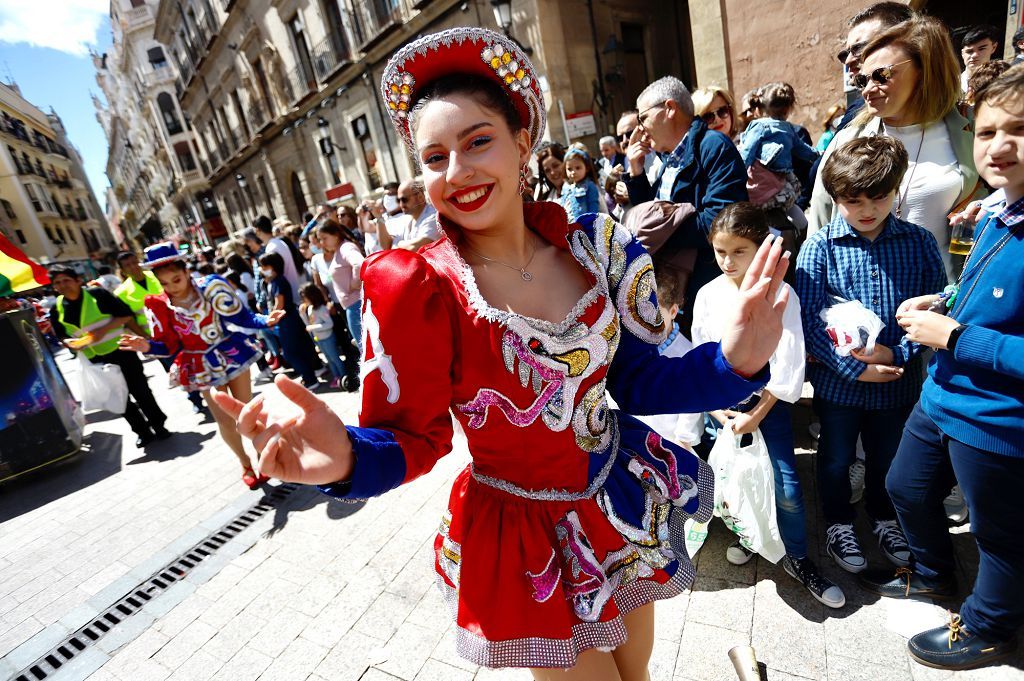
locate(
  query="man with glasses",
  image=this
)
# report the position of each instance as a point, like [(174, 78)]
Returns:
[(699, 167), (416, 225)]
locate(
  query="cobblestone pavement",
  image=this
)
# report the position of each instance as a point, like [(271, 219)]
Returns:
[(318, 589)]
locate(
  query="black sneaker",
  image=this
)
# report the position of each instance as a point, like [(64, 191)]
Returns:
[(161, 433), (892, 542), (844, 548), (806, 572), (953, 647), (906, 583)]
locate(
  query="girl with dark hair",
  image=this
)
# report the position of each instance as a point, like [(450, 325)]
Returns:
[(551, 169), (295, 342), (192, 321), (320, 327), (566, 527), (579, 191), (343, 266)]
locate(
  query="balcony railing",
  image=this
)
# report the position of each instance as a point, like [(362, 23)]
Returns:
[(299, 83), (82, 215), (207, 25), (214, 157), (331, 53), (137, 17), (257, 116), (374, 18)]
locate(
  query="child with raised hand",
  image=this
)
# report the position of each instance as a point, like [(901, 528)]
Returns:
[(868, 255), (579, 192), (320, 327), (735, 235)]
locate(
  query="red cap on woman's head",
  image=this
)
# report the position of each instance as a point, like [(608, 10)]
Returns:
[(477, 51)]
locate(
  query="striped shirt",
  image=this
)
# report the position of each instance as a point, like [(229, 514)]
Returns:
[(837, 262)]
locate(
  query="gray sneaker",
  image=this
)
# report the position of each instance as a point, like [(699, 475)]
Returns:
[(737, 554), (806, 572), (892, 542)]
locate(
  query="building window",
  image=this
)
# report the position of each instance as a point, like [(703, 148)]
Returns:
[(156, 57), (262, 182), (361, 130), (60, 235), (33, 195), (9, 209), (298, 195), (71, 233), (21, 236), (49, 234), (138, 3), (305, 70), (170, 116)]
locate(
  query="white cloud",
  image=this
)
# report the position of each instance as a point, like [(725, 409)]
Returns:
[(66, 25)]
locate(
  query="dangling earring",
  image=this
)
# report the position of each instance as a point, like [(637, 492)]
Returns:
[(522, 180)]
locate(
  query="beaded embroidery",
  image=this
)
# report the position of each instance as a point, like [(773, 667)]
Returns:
[(513, 70)]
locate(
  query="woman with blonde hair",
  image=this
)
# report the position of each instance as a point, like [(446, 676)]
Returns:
[(911, 84), (716, 107)]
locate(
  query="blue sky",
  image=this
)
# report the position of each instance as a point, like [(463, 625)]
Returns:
[(44, 48)]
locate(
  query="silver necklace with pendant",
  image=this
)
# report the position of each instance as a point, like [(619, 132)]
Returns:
[(526, 276)]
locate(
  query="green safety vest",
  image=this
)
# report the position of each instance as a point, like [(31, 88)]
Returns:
[(133, 294), (91, 318)]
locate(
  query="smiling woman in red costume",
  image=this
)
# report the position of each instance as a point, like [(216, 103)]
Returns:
[(568, 523)]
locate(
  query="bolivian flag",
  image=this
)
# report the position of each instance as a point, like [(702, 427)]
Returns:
[(17, 271)]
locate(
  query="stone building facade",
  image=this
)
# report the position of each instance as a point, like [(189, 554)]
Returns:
[(47, 208), (157, 177)]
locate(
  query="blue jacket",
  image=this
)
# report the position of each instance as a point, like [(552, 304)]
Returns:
[(975, 394), (711, 177), (581, 198), (775, 144)]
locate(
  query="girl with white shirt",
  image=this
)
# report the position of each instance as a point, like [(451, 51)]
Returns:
[(910, 81), (735, 235)]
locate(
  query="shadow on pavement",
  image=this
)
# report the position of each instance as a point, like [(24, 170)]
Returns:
[(180, 444), (99, 458), (307, 498), (100, 416)]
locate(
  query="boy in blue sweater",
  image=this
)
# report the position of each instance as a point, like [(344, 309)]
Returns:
[(868, 255), (970, 419)]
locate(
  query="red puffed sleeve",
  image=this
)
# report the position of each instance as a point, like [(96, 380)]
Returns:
[(408, 334), (165, 341)]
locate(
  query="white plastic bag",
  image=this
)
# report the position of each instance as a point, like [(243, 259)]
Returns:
[(696, 533), (745, 493), (851, 326), (102, 386)]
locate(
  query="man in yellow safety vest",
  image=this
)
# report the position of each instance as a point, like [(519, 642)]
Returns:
[(90, 321)]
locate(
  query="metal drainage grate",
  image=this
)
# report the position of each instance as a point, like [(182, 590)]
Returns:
[(150, 588)]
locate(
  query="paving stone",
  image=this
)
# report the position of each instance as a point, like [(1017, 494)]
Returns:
[(201, 665), (445, 651), (297, 661), (663, 658), (787, 632), (704, 652), (433, 670), (842, 668), (670, 616), (185, 644), (353, 655), (503, 675), (384, 616), (278, 633), (246, 665), (409, 649), (728, 605)]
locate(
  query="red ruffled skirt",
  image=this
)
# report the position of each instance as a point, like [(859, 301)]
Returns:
[(534, 582)]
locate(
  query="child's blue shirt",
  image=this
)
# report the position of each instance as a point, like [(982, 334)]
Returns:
[(774, 143), (578, 199)]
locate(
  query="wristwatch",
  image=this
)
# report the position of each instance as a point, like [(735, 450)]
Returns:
[(954, 336)]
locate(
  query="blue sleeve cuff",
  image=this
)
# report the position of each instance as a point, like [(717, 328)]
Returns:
[(157, 349), (733, 382), (379, 465)]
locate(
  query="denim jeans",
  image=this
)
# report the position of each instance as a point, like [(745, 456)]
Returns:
[(329, 347), (272, 340), (777, 430), (353, 315), (880, 431), (921, 477)]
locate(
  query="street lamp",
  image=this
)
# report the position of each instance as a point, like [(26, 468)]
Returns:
[(503, 14), (503, 17), (240, 179)]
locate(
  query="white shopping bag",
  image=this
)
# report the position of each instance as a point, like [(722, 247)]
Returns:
[(103, 386), (696, 533), (745, 493)]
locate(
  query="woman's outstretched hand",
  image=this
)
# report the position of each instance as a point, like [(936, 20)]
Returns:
[(312, 448), (133, 343), (749, 342)]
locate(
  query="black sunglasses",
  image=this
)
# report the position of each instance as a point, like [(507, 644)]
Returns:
[(626, 135), (881, 75), (721, 112), (854, 50)]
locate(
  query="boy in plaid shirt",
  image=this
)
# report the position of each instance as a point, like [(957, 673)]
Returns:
[(870, 255)]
